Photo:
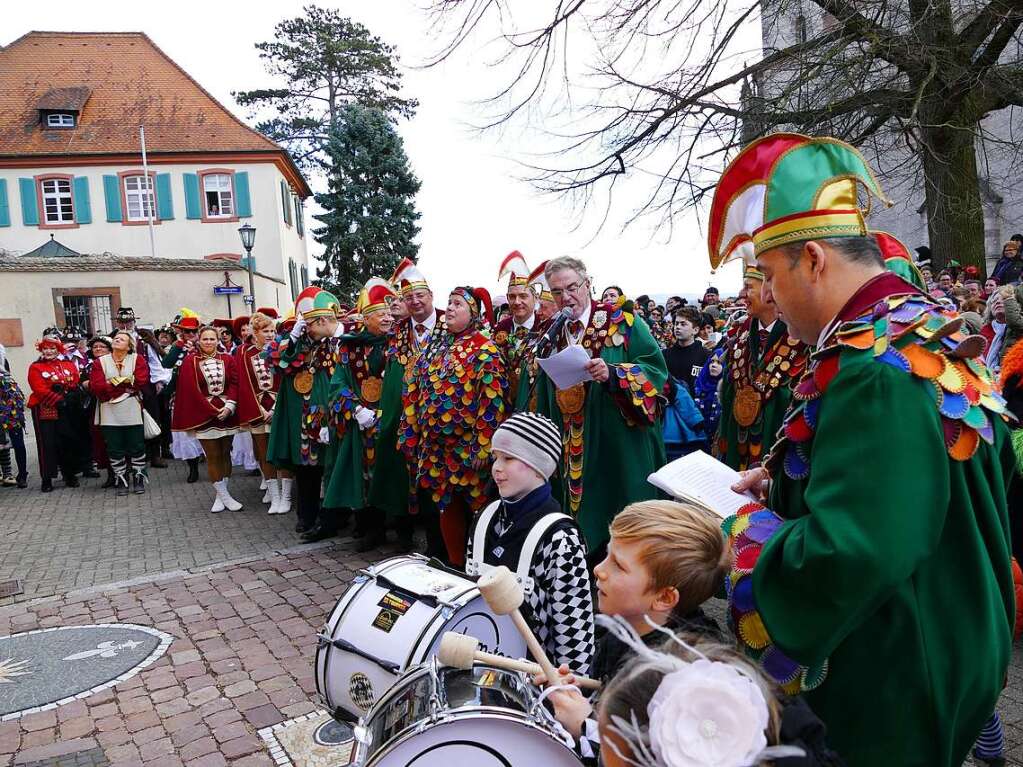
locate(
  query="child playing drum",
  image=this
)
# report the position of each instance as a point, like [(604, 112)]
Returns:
[(527, 532)]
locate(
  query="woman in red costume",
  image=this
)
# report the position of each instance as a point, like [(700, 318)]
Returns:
[(257, 393), (54, 384), (116, 381), (454, 402), (204, 406)]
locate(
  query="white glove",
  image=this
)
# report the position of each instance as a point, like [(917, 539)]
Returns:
[(365, 417), (324, 435), (298, 328)]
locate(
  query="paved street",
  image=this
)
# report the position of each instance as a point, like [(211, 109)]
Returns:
[(241, 633)]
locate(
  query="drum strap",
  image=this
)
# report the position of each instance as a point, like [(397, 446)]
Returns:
[(476, 566)]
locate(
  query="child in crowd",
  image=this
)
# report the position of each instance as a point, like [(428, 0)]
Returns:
[(527, 532), (664, 560), (706, 392)]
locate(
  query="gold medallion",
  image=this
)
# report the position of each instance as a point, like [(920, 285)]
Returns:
[(746, 407), (303, 381), (501, 337), (371, 389), (570, 400)]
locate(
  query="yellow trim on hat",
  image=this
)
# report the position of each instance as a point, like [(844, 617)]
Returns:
[(807, 226)]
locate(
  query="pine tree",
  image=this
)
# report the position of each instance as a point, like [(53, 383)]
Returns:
[(369, 218)]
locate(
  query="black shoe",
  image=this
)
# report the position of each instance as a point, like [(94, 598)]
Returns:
[(71, 481), (193, 470), (370, 541), (22, 482), (139, 483), (90, 474), (122, 490), (110, 479), (47, 486), (303, 527), (157, 462), (318, 533)]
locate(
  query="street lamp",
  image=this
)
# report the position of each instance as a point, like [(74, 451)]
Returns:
[(248, 235)]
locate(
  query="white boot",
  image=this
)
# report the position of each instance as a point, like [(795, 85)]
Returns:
[(284, 506), (275, 496), (218, 504), (225, 496), (264, 485)]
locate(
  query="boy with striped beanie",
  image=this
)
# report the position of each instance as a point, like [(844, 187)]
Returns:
[(527, 532)]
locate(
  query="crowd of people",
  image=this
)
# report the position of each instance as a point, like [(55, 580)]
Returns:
[(867, 404)]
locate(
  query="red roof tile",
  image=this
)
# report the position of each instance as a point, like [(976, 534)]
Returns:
[(132, 83)]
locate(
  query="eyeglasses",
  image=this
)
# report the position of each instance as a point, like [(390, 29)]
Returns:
[(558, 292)]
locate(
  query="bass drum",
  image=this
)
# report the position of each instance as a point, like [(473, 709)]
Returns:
[(445, 717), (392, 618)]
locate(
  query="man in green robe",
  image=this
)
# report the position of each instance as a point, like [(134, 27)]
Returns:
[(299, 433), (610, 425), (880, 584), (357, 401), (762, 361)]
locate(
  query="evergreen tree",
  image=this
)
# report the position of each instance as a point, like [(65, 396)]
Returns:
[(369, 218)]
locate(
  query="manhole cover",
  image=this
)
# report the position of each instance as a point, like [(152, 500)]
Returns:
[(11, 588), (47, 668)]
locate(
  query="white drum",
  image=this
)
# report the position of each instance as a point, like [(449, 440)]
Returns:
[(392, 618), (445, 717)]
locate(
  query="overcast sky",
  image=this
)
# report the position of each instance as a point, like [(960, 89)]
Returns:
[(475, 209)]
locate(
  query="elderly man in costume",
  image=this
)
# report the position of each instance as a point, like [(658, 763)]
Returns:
[(365, 371), (763, 362), (515, 336), (300, 431), (547, 307), (454, 401), (610, 426), (424, 321), (880, 584)]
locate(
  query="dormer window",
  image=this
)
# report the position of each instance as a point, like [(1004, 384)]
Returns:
[(60, 120)]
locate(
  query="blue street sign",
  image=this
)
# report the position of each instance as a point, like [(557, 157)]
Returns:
[(227, 290)]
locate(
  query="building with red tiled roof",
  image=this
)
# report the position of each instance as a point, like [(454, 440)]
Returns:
[(71, 108)]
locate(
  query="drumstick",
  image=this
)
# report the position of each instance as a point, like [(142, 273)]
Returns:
[(462, 650), (503, 595)]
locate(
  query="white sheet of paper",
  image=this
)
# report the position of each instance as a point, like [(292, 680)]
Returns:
[(567, 367), (702, 478)]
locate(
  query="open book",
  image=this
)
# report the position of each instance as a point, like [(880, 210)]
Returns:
[(698, 478)]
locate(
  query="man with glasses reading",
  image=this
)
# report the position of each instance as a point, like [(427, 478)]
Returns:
[(609, 424)]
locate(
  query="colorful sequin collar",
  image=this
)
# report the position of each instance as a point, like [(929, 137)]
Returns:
[(921, 338)]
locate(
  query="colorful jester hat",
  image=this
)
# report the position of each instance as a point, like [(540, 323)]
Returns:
[(407, 277), (514, 265), (316, 302), (787, 188), (377, 294), (538, 278), (897, 259)]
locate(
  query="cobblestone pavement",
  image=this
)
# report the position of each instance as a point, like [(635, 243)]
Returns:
[(74, 538)]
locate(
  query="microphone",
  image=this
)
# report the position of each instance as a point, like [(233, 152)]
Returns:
[(557, 323)]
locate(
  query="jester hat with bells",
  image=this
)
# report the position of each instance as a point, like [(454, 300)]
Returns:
[(375, 295), (514, 265), (407, 278), (787, 188), (897, 259), (313, 303)]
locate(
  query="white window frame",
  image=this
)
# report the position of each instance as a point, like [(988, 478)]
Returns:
[(223, 194), (57, 195), (137, 195), (60, 120)]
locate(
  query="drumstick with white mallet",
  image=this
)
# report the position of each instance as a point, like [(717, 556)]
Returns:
[(461, 651), (503, 595)]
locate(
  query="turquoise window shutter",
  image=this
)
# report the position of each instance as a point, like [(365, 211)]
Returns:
[(5, 210), (112, 197), (29, 207), (284, 202), (193, 204), (299, 222), (164, 200), (241, 193), (80, 193)]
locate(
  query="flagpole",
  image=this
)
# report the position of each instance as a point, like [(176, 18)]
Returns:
[(150, 191)]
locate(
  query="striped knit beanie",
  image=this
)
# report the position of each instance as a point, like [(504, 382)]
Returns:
[(533, 439)]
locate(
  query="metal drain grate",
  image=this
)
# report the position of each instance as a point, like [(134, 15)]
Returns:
[(11, 588)]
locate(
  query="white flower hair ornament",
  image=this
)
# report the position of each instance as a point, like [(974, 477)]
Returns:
[(704, 713)]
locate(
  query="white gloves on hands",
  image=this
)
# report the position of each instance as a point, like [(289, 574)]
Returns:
[(298, 328), (324, 436), (365, 417)]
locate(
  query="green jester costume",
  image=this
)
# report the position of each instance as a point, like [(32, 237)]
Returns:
[(879, 581)]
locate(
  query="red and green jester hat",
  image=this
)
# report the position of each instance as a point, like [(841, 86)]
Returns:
[(878, 583)]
